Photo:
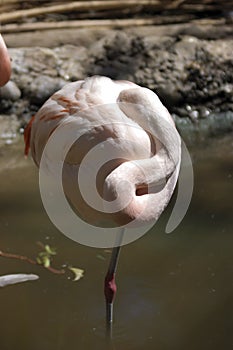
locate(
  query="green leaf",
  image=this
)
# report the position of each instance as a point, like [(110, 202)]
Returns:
[(50, 250), (78, 273), (46, 261)]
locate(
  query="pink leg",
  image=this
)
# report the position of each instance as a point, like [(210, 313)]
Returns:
[(110, 289), (110, 284)]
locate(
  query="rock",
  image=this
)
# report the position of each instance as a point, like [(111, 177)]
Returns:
[(42, 87), (186, 65), (10, 91), (39, 72), (183, 70), (71, 62)]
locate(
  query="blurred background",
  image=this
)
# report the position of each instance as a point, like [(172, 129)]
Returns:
[(160, 12)]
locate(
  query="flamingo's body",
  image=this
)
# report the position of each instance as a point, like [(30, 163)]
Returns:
[(107, 103), (5, 65), (141, 138)]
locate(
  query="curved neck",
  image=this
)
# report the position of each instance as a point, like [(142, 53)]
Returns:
[(144, 107), (135, 182)]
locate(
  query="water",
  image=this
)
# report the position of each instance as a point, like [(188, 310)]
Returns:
[(174, 291)]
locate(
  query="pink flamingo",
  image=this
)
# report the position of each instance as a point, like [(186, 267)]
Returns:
[(146, 153)]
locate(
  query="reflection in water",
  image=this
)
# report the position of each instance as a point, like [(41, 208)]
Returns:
[(174, 291)]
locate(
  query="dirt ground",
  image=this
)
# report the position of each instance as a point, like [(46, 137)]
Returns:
[(203, 29)]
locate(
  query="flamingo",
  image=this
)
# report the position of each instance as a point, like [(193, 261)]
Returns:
[(5, 64), (144, 146)]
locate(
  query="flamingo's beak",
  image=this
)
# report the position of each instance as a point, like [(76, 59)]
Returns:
[(5, 63)]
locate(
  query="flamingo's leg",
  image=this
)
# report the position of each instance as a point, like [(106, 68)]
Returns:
[(110, 284)]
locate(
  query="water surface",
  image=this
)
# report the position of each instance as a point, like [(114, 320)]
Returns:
[(174, 291)]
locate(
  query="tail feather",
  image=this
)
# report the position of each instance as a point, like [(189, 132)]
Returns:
[(27, 136)]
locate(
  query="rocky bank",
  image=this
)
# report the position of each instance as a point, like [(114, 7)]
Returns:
[(189, 66)]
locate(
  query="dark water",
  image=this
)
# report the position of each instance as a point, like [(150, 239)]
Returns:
[(174, 291)]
